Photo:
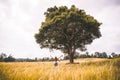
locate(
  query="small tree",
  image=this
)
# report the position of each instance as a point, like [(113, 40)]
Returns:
[(10, 58), (104, 55), (2, 57), (67, 29)]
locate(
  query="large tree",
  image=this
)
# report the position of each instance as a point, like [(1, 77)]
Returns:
[(67, 29)]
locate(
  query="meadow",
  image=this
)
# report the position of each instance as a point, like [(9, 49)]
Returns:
[(87, 69)]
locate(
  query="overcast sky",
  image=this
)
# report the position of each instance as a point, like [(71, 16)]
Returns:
[(21, 19)]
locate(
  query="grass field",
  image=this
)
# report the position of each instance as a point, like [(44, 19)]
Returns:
[(87, 69)]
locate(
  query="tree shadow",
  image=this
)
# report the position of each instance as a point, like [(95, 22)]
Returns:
[(72, 63)]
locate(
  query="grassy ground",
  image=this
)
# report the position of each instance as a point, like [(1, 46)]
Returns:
[(87, 69)]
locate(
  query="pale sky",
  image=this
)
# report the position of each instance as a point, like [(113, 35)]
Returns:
[(21, 19)]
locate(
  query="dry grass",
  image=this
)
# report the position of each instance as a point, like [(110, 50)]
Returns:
[(87, 69)]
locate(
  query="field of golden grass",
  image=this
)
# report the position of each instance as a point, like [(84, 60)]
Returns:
[(87, 69)]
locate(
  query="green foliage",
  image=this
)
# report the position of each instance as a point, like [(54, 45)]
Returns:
[(67, 29), (100, 55), (2, 57), (9, 59)]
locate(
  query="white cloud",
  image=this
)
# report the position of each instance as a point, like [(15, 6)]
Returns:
[(109, 41)]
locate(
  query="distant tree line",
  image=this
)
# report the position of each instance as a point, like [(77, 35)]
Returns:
[(95, 55), (34, 60), (5, 58), (10, 58)]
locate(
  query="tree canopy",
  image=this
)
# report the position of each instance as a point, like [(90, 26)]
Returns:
[(67, 29)]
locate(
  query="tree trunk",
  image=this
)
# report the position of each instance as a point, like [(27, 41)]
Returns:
[(71, 52), (71, 58)]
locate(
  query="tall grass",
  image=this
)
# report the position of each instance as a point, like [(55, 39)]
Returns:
[(90, 70)]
